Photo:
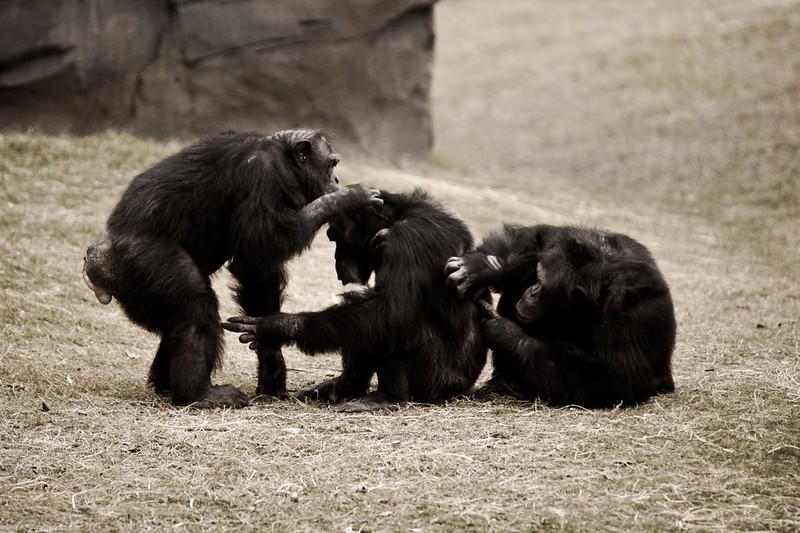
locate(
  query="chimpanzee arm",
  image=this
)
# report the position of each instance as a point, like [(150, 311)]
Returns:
[(355, 321), (503, 258), (506, 335), (264, 233), (323, 208), (503, 333)]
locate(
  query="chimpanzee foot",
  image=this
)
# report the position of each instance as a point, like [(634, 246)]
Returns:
[(271, 392), (494, 388), (331, 391), (221, 396), (373, 401), (322, 392), (274, 387), (161, 391)]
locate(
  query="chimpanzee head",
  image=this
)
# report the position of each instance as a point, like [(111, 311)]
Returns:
[(313, 160), (568, 276), (357, 235)]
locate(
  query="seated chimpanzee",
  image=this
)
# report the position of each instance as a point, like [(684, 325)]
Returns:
[(585, 316), (255, 199), (422, 340)]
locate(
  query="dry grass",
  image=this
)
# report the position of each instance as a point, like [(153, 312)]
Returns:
[(691, 148)]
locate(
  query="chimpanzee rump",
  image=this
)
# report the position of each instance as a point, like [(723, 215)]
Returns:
[(585, 316), (421, 340), (255, 199)]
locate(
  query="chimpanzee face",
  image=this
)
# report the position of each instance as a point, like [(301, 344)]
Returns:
[(353, 233), (317, 161), (532, 305), (559, 294)]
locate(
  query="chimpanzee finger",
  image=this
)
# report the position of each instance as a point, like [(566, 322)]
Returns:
[(453, 264), (238, 328), (378, 241), (244, 338), (376, 200), (244, 319), (253, 345), (487, 308)]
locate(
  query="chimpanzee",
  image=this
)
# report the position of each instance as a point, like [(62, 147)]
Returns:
[(585, 316), (256, 200), (422, 340)]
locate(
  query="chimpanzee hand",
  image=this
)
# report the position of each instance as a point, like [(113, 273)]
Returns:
[(358, 195), (494, 326), (487, 310), (278, 327), (470, 271), (347, 198)]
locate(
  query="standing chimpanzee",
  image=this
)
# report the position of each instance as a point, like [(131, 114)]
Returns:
[(423, 342), (255, 199), (585, 316)]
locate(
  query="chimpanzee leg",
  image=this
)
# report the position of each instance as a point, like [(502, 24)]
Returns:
[(166, 292), (271, 371), (528, 367), (159, 370), (393, 391), (260, 293), (353, 382), (516, 358)]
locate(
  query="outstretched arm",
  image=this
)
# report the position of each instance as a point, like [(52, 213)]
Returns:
[(278, 328), (357, 320)]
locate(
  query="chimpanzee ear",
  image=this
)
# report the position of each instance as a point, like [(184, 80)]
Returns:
[(632, 295), (302, 150), (578, 253)]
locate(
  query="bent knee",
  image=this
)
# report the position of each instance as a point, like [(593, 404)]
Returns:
[(98, 269)]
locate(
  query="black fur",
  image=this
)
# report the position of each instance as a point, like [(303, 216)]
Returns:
[(585, 316), (255, 199), (421, 340)]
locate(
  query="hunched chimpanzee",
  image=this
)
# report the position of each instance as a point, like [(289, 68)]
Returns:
[(585, 316), (256, 200), (422, 340)]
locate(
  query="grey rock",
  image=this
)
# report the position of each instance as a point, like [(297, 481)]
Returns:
[(360, 69)]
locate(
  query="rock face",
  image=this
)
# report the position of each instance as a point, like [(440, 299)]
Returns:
[(360, 69)]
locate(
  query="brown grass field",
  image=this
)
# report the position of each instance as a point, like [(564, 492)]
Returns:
[(675, 122)]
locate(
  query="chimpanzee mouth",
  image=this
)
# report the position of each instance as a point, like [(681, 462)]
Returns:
[(347, 272), (522, 316)]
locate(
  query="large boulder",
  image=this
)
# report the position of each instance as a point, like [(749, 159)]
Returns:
[(360, 69)]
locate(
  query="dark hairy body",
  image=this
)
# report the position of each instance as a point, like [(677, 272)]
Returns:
[(252, 199), (585, 316), (421, 340)]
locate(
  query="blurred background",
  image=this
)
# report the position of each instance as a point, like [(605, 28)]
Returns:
[(692, 105), (358, 68)]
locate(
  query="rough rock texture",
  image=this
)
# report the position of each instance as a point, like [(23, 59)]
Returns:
[(361, 69)]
